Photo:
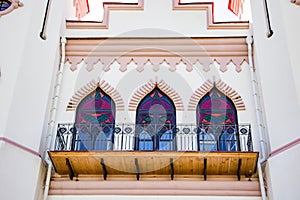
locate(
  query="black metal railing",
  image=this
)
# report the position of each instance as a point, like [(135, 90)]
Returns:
[(153, 137)]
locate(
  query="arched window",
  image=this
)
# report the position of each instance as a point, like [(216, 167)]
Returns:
[(155, 122), (95, 121), (4, 4), (217, 122)]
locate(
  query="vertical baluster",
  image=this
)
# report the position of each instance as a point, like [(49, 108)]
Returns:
[(178, 141), (194, 142), (116, 138), (190, 141), (186, 142), (124, 141), (118, 141), (131, 141), (182, 141), (127, 141)]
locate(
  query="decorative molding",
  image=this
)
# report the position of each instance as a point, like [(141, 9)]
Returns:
[(209, 8), (285, 147), (206, 51), (91, 86), (220, 85), (20, 146), (107, 7), (14, 5), (199, 6), (148, 87), (297, 2)]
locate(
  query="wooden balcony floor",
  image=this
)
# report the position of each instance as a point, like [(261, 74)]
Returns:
[(153, 163)]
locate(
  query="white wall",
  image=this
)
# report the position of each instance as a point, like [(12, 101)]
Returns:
[(284, 175), (277, 62), (273, 63), (28, 65)]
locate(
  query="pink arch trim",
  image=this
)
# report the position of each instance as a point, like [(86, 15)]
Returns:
[(148, 87), (223, 87), (91, 86)]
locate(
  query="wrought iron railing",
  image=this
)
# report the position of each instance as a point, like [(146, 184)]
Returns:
[(153, 137)]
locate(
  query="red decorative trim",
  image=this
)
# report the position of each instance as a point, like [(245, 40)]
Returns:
[(107, 7), (91, 86), (284, 147), (206, 6), (20, 146), (223, 87), (209, 7)]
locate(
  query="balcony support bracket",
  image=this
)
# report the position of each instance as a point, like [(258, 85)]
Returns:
[(172, 168), (204, 168), (104, 171), (70, 169), (239, 169), (137, 167)]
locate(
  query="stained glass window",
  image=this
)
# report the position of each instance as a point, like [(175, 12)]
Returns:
[(95, 119), (155, 121), (217, 119), (4, 4)]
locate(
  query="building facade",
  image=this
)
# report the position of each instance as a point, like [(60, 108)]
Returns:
[(156, 101)]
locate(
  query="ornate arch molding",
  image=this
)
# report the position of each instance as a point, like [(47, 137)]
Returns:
[(91, 86), (148, 87), (14, 5), (223, 87)]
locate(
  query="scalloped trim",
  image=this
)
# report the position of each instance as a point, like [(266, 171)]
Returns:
[(148, 87), (223, 87), (91, 86)]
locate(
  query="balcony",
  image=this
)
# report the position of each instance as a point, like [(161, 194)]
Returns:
[(154, 150)]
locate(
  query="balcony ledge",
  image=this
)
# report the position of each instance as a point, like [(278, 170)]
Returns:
[(158, 163)]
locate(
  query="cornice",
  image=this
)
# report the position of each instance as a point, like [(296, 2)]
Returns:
[(206, 51)]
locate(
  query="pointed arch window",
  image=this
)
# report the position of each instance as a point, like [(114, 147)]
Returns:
[(155, 121), (217, 122), (95, 121)]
